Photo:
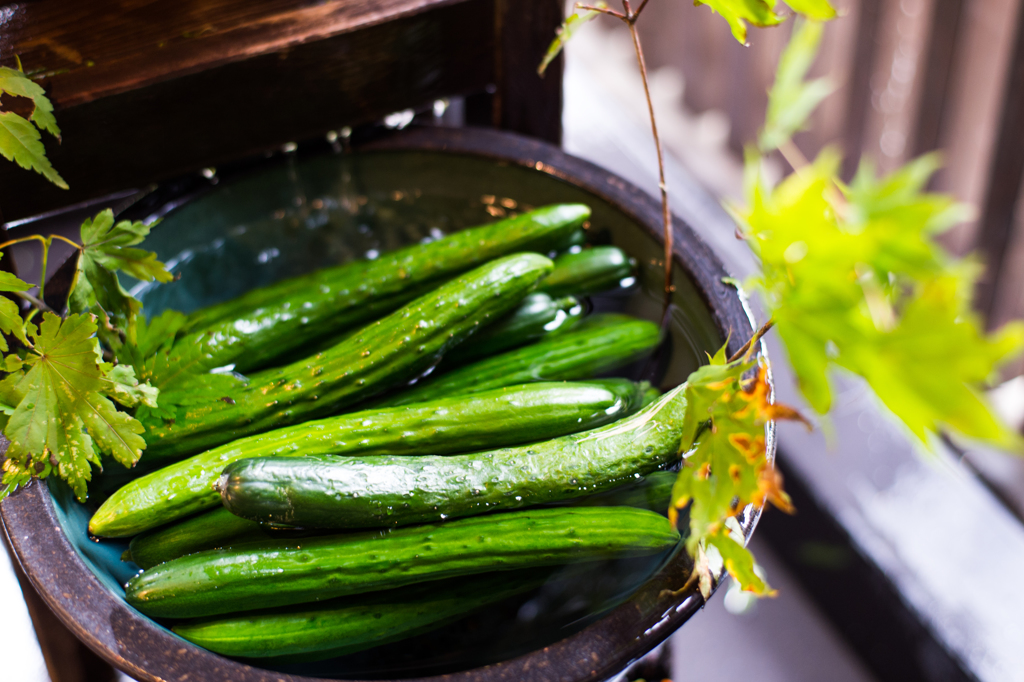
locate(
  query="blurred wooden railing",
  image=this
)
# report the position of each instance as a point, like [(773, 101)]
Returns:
[(912, 76)]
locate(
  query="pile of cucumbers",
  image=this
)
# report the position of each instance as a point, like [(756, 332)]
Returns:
[(438, 449)]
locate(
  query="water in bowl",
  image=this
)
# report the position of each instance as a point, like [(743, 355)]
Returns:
[(290, 218)]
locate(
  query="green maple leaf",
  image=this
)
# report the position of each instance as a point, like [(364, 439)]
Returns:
[(727, 467), (864, 287), (62, 417), (566, 31), (11, 321), (16, 83), (761, 13), (181, 373), (106, 248), (792, 99), (739, 12), (20, 140)]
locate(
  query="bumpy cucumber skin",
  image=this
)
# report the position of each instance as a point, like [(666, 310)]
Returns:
[(330, 491), (601, 343), (385, 353), (353, 624), (217, 528), (504, 416), (280, 573), (268, 323), (590, 271), (536, 317)]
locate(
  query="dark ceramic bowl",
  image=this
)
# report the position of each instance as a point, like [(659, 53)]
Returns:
[(293, 214)]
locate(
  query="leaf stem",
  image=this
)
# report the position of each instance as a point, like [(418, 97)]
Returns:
[(21, 240), (42, 272), (746, 348)]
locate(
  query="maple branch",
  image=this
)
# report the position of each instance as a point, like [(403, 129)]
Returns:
[(602, 10), (72, 242), (38, 303), (666, 215), (636, 13), (753, 340)]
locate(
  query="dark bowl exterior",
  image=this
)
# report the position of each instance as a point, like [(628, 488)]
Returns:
[(144, 650)]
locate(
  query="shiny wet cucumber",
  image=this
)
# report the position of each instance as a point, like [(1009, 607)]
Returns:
[(503, 416), (330, 491), (269, 574)]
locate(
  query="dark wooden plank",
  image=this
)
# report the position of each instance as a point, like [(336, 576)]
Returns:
[(87, 51), (249, 105), (864, 53), (524, 102), (1006, 173), (938, 60)]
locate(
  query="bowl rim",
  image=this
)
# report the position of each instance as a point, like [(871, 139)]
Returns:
[(148, 652)]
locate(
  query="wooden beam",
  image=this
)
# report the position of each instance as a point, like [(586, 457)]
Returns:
[(195, 86), (1006, 174)]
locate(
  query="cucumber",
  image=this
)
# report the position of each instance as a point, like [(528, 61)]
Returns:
[(349, 624), (385, 353), (220, 528), (330, 491), (252, 331), (589, 271), (536, 317), (280, 573), (599, 344), (504, 416), (210, 530)]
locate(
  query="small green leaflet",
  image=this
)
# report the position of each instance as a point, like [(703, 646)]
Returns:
[(762, 13), (63, 419), (182, 377), (727, 467), (20, 140), (106, 248), (10, 316), (791, 99), (566, 31), (862, 285)]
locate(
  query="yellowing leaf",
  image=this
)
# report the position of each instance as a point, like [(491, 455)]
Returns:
[(726, 467), (739, 562), (20, 142), (566, 31), (61, 417)]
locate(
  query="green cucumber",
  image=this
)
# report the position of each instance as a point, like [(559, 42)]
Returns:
[(600, 343), (589, 271), (349, 624), (210, 530), (536, 317), (653, 492), (280, 573), (330, 491), (253, 330), (504, 416), (387, 352)]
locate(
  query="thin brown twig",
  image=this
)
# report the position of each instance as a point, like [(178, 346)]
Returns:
[(602, 10), (666, 215), (753, 340), (633, 16)]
